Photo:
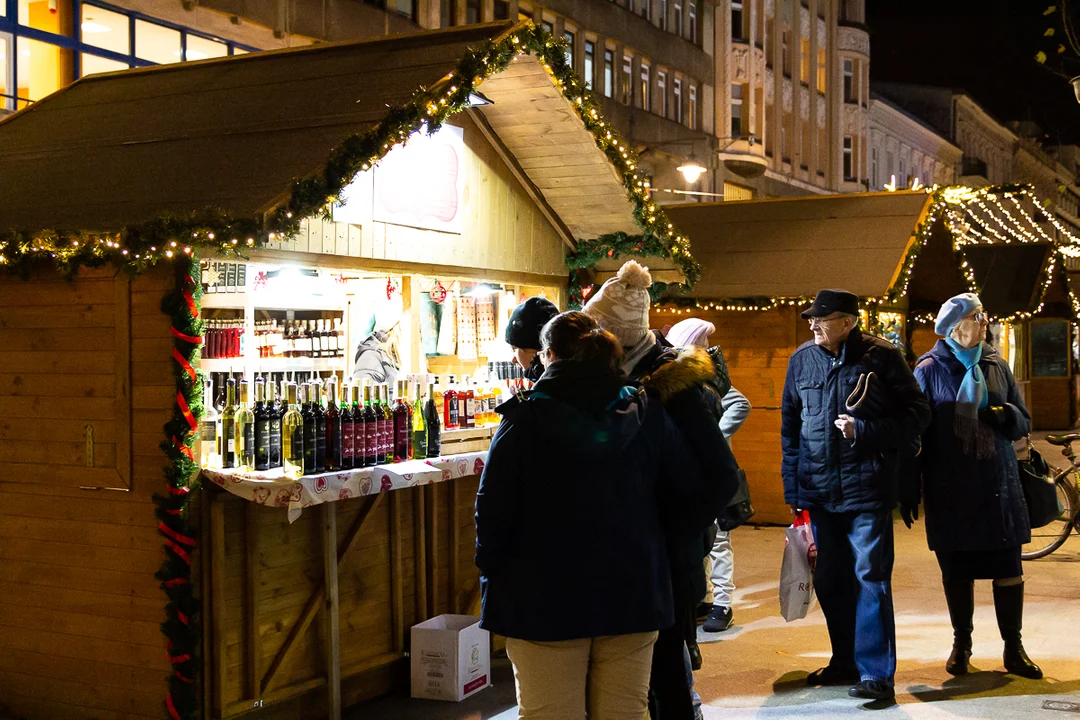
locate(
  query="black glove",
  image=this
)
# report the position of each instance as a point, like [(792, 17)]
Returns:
[(994, 415), (909, 513)]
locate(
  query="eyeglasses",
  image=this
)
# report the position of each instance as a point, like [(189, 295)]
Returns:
[(815, 322), (979, 317)]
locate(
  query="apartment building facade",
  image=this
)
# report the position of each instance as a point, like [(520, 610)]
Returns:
[(906, 152)]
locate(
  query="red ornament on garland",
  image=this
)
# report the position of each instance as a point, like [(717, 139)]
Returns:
[(261, 280), (390, 288), (438, 293)]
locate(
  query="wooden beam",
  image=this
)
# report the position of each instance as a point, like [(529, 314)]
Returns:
[(420, 555), (455, 538), (432, 492), (307, 614), (252, 656), (522, 177), (205, 561), (330, 589), (397, 602), (217, 588)]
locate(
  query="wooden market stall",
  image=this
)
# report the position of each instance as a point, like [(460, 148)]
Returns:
[(280, 596), (763, 262)]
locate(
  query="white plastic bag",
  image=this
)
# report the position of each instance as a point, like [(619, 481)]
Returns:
[(797, 569)]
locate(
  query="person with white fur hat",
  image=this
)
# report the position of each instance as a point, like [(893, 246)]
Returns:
[(976, 517), (681, 378)]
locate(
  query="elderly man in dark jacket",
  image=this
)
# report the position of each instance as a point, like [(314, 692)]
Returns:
[(841, 465)]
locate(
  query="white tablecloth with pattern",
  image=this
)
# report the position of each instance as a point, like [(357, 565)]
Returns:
[(272, 488)]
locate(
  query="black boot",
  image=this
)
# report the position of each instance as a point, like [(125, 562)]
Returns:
[(1009, 606), (960, 597)]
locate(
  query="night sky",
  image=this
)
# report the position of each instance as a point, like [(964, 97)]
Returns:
[(986, 47)]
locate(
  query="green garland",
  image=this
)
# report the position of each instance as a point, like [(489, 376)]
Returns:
[(181, 625), (614, 245)]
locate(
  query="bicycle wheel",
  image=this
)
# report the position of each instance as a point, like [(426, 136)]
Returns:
[(1049, 538)]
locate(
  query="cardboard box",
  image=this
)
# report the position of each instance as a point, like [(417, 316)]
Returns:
[(450, 658)]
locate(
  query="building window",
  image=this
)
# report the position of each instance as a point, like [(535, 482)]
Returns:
[(785, 52), (609, 73), (821, 70), (875, 181), (502, 10), (766, 134), (736, 110), (736, 20), (849, 158), (549, 28), (677, 20), (849, 81), (105, 29), (626, 79), (643, 97), (822, 151), (692, 107), (737, 192), (691, 11), (472, 11), (590, 60), (90, 64), (42, 69), (766, 38), (804, 62), (446, 13), (405, 8), (902, 180), (7, 92), (784, 154), (663, 14), (569, 38), (156, 43), (677, 89), (661, 93), (645, 9)]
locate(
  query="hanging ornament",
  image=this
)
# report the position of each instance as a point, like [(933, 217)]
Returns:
[(261, 280), (438, 293), (390, 288)]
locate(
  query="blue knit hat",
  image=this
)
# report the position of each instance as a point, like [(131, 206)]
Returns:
[(953, 311)]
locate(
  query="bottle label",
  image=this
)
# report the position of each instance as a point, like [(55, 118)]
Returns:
[(401, 437), (208, 430), (275, 442), (372, 442), (309, 444), (470, 408), (454, 416), (419, 444), (348, 444), (249, 440), (294, 445), (262, 441)]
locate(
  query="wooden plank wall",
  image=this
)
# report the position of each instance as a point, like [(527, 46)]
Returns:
[(399, 573), (79, 606), (757, 346), (504, 229)]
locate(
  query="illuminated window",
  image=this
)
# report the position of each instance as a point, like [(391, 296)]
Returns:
[(53, 17), (91, 64), (804, 62), (549, 28), (569, 37), (677, 88), (105, 29), (821, 70), (609, 73), (156, 43), (736, 110), (7, 101), (692, 98), (199, 48), (624, 80), (43, 69), (737, 192), (590, 60), (661, 93), (643, 100)]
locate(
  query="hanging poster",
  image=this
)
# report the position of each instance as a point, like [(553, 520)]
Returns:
[(1050, 348)]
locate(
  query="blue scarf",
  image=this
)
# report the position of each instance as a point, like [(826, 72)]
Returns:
[(973, 395)]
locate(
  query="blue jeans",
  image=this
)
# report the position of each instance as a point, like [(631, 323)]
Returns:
[(853, 581), (694, 697)]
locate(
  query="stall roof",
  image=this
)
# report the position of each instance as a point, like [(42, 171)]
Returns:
[(1009, 277), (124, 148), (792, 247)]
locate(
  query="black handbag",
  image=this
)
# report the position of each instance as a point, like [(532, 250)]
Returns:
[(1040, 492), (740, 509), (869, 400)]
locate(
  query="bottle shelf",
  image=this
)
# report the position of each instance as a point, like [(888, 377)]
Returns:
[(237, 365), (261, 301)]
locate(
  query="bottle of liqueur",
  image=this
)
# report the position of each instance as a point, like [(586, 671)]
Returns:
[(358, 426), (467, 404), (209, 450), (385, 423), (450, 404), (228, 427), (419, 427), (311, 431), (333, 429), (495, 401), (402, 424), (320, 426), (262, 425), (274, 412), (433, 418), (372, 417), (292, 436), (245, 431), (324, 338), (348, 427)]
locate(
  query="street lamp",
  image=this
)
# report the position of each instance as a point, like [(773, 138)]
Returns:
[(691, 170)]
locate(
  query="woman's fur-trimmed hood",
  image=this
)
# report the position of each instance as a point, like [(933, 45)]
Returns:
[(690, 367)]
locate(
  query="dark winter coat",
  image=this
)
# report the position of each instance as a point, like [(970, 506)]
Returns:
[(821, 468), (970, 503), (579, 475), (684, 379), (535, 369)]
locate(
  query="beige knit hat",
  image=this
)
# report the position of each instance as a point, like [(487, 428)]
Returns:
[(621, 305)]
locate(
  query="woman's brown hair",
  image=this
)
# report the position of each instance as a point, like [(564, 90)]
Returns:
[(576, 336)]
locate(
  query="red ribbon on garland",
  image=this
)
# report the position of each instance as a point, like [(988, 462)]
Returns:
[(189, 298), (182, 362), (172, 708), (175, 581), (175, 535), (181, 617), (193, 339), (186, 410), (180, 552), (181, 678), (179, 490), (184, 449)]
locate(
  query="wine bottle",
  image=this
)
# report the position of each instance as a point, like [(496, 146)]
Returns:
[(333, 429), (245, 431), (348, 427), (310, 429), (275, 411), (419, 427), (433, 417), (320, 426), (467, 404), (371, 429), (402, 425), (292, 436), (384, 424), (451, 416), (228, 426), (262, 426), (209, 450)]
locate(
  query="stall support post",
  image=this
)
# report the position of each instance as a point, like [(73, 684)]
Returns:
[(217, 585), (455, 538), (420, 551), (432, 507), (253, 658), (333, 635), (397, 604)]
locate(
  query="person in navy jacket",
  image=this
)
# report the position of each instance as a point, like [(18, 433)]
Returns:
[(976, 516), (587, 482), (844, 469)]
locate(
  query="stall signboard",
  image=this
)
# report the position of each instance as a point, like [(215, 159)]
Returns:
[(420, 184), (1050, 348)]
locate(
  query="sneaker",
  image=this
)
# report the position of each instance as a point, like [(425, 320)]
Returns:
[(833, 675), (719, 620), (872, 690)]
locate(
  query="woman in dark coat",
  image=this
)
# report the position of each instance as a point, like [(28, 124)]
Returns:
[(586, 480), (976, 516)]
